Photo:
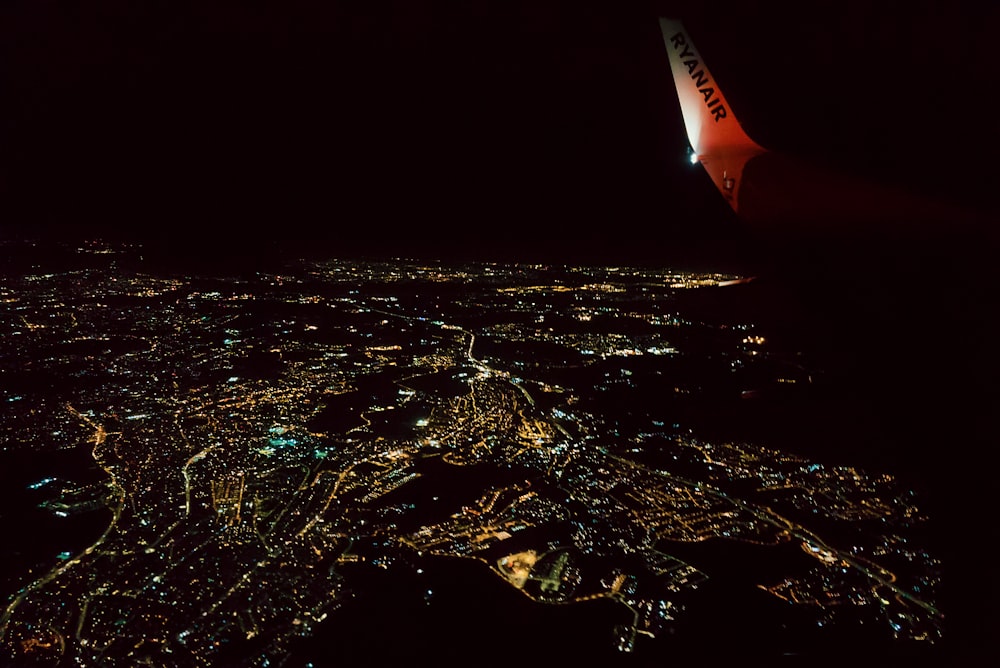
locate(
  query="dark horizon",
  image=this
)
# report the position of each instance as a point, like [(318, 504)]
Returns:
[(535, 130)]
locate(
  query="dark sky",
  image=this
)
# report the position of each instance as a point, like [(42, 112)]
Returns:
[(525, 128)]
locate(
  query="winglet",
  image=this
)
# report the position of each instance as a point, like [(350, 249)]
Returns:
[(717, 139)]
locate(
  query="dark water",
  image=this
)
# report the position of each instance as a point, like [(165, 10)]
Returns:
[(471, 618), (33, 537), (471, 615)]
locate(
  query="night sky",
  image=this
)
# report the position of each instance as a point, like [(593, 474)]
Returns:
[(539, 129)]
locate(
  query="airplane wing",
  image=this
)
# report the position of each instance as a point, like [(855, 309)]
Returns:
[(717, 140), (779, 193)]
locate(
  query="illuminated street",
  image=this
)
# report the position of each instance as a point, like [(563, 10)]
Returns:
[(302, 429)]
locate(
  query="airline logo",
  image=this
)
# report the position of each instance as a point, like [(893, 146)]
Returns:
[(698, 75)]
